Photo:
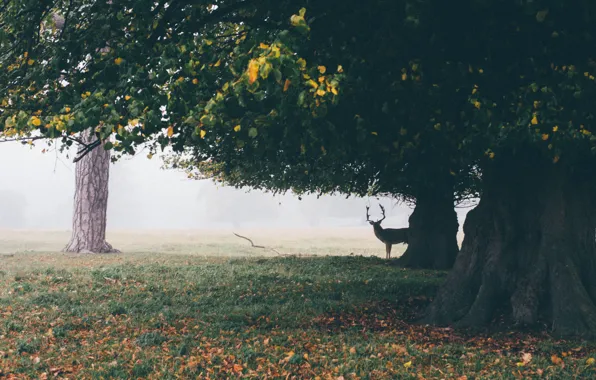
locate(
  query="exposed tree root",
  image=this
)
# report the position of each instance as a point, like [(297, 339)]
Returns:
[(529, 251)]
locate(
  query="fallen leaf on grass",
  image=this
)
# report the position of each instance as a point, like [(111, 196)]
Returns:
[(557, 360)]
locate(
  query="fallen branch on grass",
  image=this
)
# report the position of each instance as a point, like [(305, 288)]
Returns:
[(259, 246)]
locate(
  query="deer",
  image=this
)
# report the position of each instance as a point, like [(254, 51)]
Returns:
[(389, 236)]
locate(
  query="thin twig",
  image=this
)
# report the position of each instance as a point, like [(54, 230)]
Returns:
[(258, 246)]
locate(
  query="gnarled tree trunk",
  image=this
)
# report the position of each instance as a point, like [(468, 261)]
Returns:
[(432, 233), (91, 202), (529, 251)]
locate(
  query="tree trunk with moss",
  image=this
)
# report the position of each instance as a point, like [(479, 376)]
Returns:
[(91, 202), (529, 251)]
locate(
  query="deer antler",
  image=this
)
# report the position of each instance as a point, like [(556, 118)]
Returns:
[(367, 216), (383, 210)]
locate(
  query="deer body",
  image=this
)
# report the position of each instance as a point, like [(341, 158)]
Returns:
[(389, 236)]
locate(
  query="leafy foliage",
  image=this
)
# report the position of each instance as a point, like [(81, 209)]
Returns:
[(399, 97)]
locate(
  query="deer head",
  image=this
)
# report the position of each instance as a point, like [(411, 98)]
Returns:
[(378, 222)]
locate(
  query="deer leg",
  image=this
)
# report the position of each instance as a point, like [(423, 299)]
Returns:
[(388, 250)]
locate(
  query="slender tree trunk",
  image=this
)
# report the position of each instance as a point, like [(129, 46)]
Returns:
[(529, 253), (432, 233), (91, 202)]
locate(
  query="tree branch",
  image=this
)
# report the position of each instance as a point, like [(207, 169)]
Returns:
[(258, 246)]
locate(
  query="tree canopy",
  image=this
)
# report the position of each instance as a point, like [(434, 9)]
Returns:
[(402, 97), (250, 88), (324, 98)]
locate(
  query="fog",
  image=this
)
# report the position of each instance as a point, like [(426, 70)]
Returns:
[(36, 192)]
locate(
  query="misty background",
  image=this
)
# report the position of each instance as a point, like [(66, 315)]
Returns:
[(37, 189)]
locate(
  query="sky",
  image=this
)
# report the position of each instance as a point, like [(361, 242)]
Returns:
[(36, 192)]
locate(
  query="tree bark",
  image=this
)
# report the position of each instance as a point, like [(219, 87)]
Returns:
[(432, 233), (91, 201), (529, 254)]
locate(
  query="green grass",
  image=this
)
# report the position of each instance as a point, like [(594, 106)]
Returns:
[(179, 316)]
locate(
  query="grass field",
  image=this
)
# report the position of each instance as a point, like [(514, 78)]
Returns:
[(220, 311)]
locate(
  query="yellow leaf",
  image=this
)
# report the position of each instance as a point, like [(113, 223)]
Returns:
[(374, 133), (477, 104), (208, 42), (353, 350), (491, 155), (30, 62), (305, 356), (474, 91), (127, 97), (404, 76), (590, 361), (534, 120), (340, 69), (253, 71), (180, 79), (237, 128), (555, 128), (408, 364), (555, 159), (322, 69), (313, 84), (195, 81), (118, 61), (334, 91), (321, 79), (541, 15), (203, 133), (35, 121), (555, 359), (321, 92), (296, 20), (301, 62), (287, 85), (67, 109), (414, 67), (480, 71), (218, 63), (544, 136), (170, 131), (264, 46), (586, 132)]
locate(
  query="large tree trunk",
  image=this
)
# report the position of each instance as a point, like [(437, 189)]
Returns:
[(529, 252), (91, 202), (432, 233)]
